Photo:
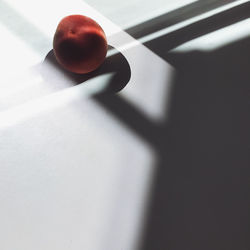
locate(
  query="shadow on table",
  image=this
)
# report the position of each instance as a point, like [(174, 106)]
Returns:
[(176, 16), (200, 197), (162, 44), (116, 64)]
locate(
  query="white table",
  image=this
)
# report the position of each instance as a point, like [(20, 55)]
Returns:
[(75, 169)]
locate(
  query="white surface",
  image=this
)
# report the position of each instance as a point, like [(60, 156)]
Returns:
[(72, 176)]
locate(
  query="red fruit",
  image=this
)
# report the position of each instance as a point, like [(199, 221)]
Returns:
[(79, 44)]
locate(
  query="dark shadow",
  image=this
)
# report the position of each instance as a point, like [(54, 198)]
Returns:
[(59, 77), (200, 197), (161, 45), (176, 16)]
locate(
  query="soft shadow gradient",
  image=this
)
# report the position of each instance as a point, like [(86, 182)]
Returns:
[(200, 197), (176, 16), (161, 45)]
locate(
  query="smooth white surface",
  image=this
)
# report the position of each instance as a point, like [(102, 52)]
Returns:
[(72, 175)]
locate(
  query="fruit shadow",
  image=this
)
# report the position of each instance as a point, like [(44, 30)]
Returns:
[(116, 64)]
